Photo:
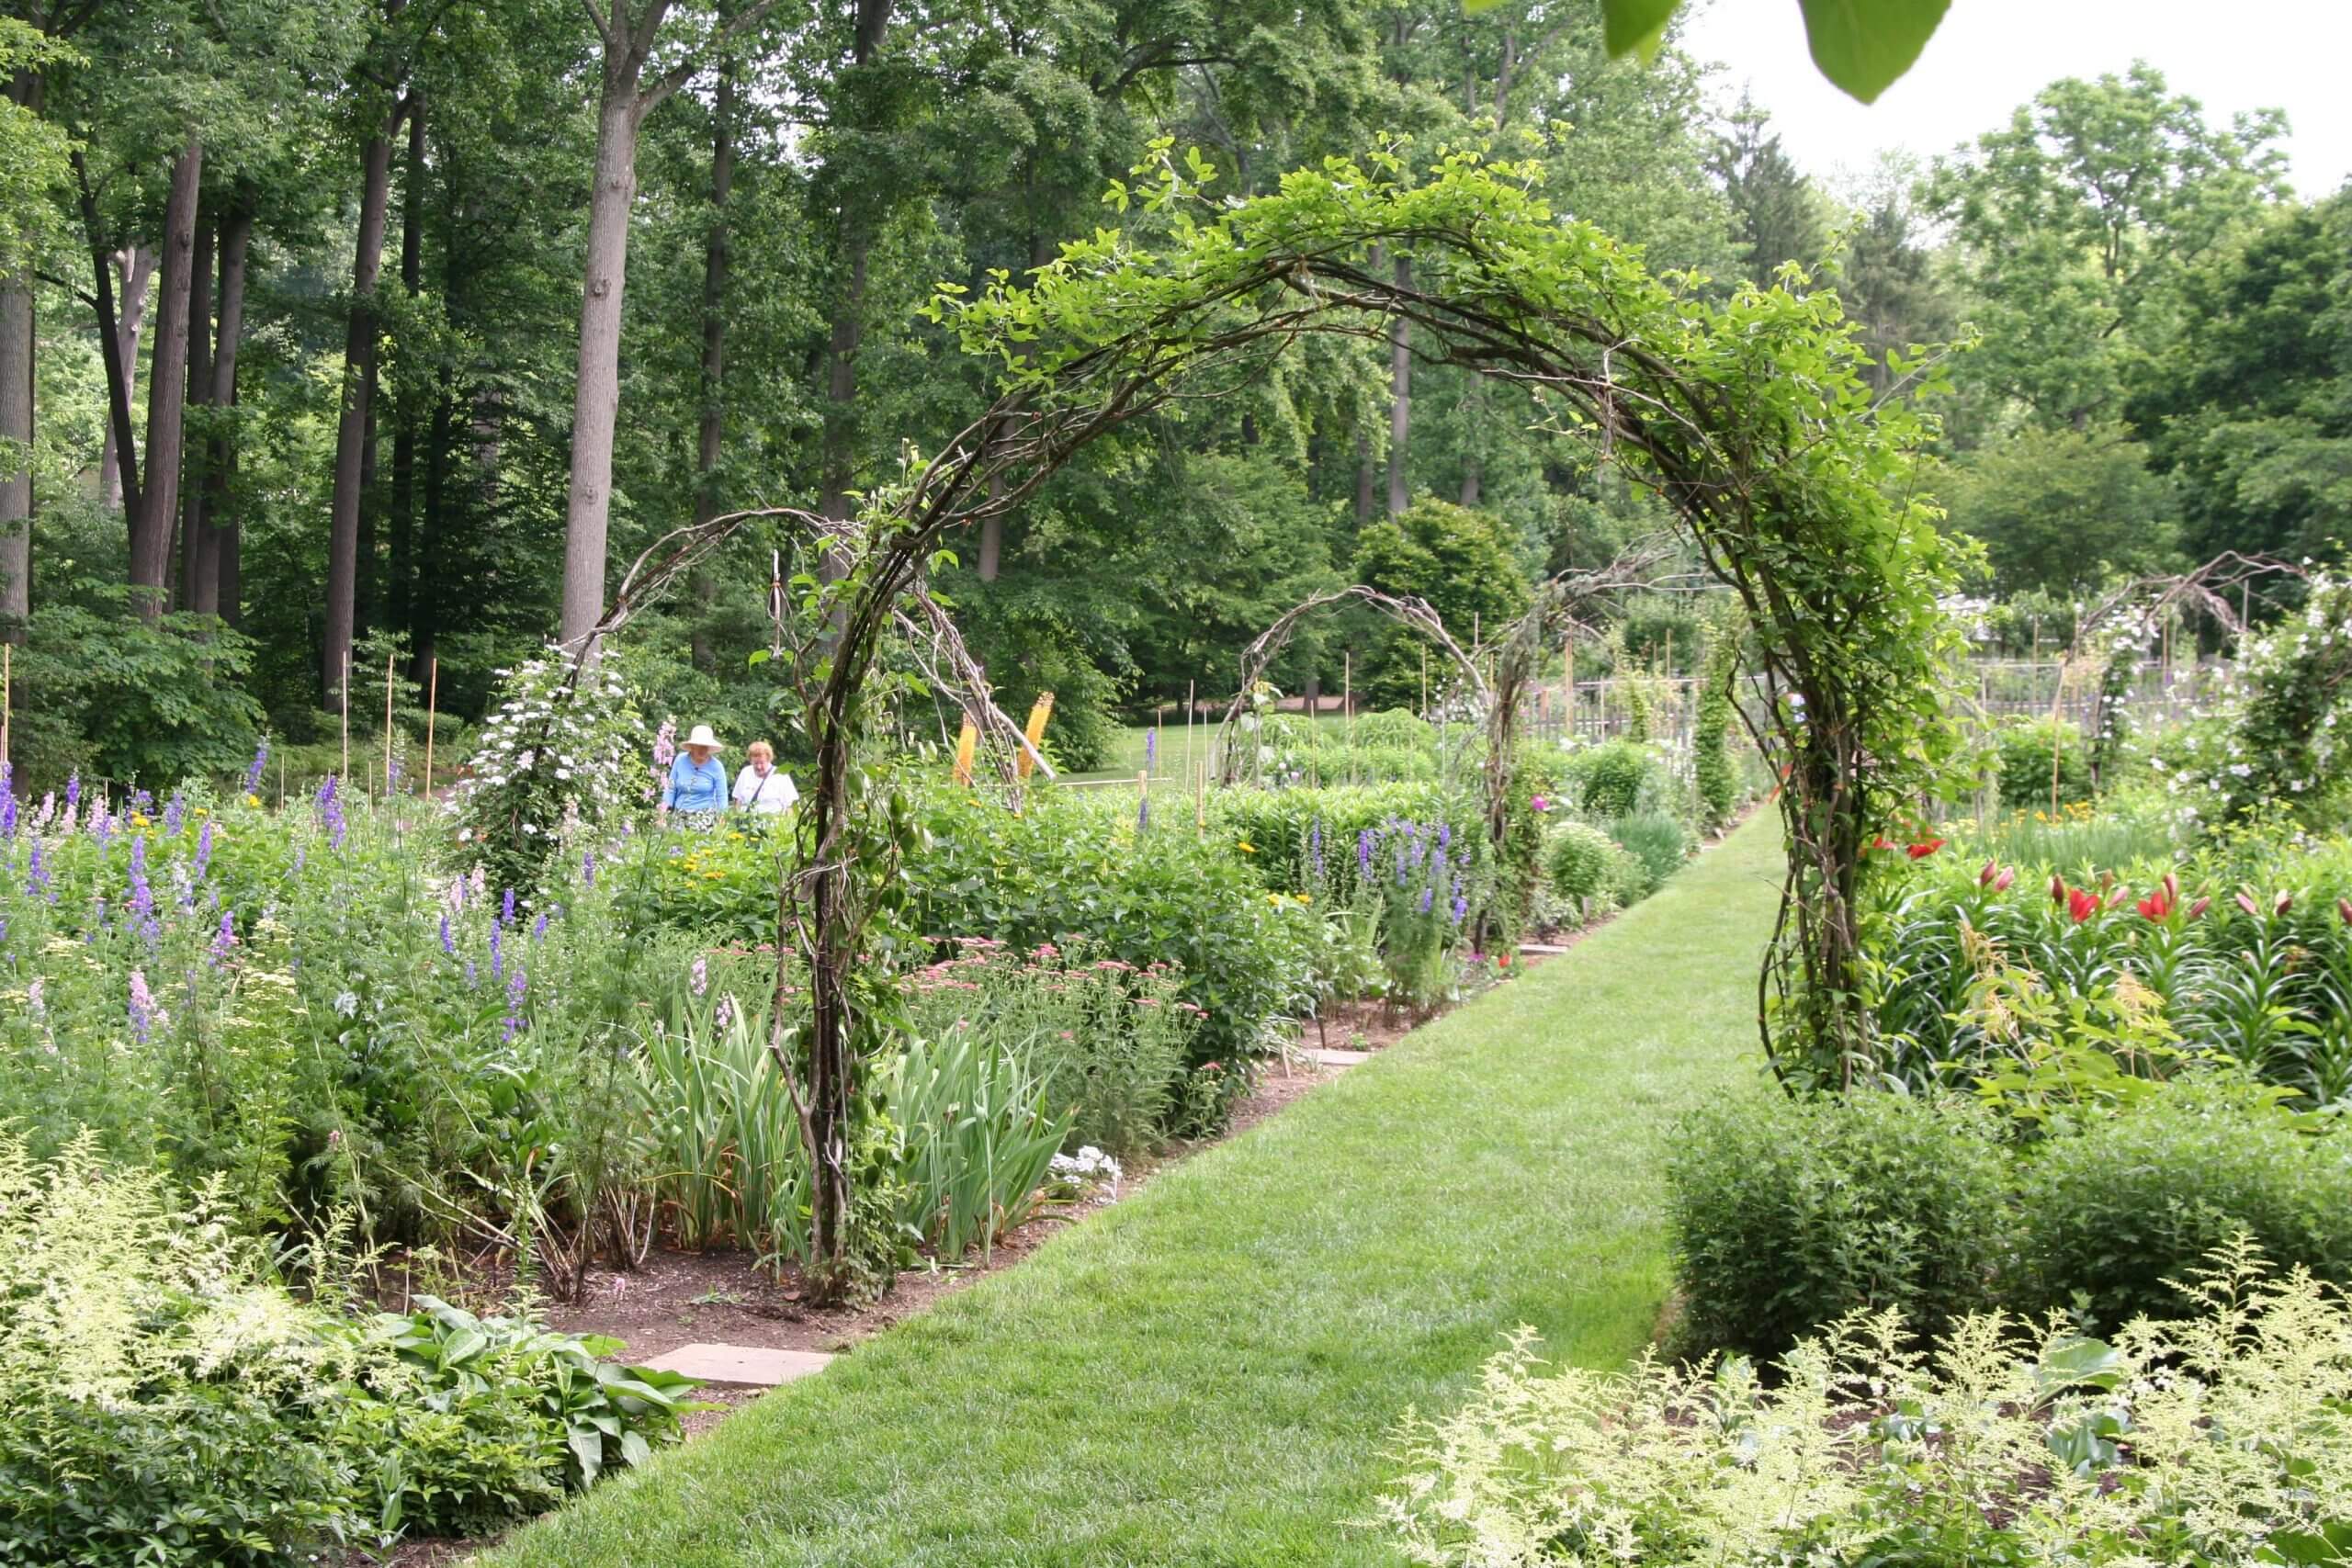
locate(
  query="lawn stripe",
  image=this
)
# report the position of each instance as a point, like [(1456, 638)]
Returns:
[(1209, 1372)]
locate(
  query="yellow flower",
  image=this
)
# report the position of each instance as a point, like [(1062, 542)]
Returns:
[(203, 811), (1246, 847), (138, 819), (252, 799)]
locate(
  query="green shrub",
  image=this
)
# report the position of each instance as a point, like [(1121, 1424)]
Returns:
[(1787, 1216), (2025, 747), (1611, 778), (1582, 861), (2114, 1213), (2216, 1442), (1287, 828), (1658, 842)]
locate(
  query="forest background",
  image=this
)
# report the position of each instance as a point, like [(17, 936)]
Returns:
[(353, 333)]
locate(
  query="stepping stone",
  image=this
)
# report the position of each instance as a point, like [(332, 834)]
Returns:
[(1542, 948), (1326, 1056), (741, 1363)]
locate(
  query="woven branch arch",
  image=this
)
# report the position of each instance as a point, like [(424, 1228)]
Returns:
[(1750, 416)]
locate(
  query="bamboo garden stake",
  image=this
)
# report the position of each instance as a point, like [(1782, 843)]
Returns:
[(345, 774), (387, 727), (432, 706)]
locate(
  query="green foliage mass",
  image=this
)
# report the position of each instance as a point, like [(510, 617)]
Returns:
[(1459, 563)]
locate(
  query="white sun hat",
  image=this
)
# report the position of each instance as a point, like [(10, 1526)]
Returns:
[(703, 737)]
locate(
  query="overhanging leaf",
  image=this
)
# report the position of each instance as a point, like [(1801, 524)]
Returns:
[(1636, 26), (1864, 45)]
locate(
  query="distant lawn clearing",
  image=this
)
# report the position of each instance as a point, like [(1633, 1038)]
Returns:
[(1208, 1373)]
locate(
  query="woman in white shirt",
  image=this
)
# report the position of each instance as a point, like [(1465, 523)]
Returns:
[(762, 787)]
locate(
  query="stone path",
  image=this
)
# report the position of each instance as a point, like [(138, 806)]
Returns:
[(749, 1364)]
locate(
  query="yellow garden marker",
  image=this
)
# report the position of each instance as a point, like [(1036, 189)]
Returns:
[(966, 744), (1026, 762)]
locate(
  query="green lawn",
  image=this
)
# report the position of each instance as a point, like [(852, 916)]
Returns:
[(1209, 1372)]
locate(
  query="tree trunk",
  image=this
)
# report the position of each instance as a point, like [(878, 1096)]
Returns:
[(215, 590), (711, 432), (136, 265), (595, 404), (159, 500), (400, 589), (199, 396), (1364, 480), (111, 344), (841, 390), (17, 425), (351, 429), (1400, 398)]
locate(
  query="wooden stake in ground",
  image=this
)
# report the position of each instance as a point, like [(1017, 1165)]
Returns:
[(387, 727), (432, 706), (7, 694), (1348, 704), (1189, 706)]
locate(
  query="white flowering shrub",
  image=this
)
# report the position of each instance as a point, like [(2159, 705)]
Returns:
[(2283, 743), (557, 763), (2217, 1441)]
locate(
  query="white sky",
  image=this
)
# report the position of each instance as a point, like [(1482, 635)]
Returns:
[(1989, 56)]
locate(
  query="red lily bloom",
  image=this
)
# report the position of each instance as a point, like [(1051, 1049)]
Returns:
[(1984, 877), (1881, 842), (2156, 906), (2002, 882), (2344, 909), (2082, 904), (1924, 848)]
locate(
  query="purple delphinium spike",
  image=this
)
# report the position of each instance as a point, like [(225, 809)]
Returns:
[(101, 825), (142, 802), (1460, 907), (142, 895), (588, 869), (1364, 851), (203, 849), (540, 928), (497, 955), (73, 791), (516, 988), (175, 815), (1428, 895), (8, 801), (261, 760), (448, 942), (37, 876), (506, 908), (224, 939), (1445, 835), (472, 980), (330, 803)]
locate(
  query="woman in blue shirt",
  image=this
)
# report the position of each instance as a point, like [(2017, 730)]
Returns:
[(697, 778)]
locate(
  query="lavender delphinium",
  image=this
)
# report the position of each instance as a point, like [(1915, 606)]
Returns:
[(1428, 895), (36, 877), (1150, 756), (588, 869), (1363, 853), (448, 941), (540, 928), (203, 849), (143, 893), (1460, 907), (224, 939), (252, 775), (175, 815), (1315, 849), (330, 811), (517, 990), (497, 954), (506, 908), (698, 978)]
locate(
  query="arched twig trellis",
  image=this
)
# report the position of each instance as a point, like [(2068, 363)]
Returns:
[(1750, 417), (1406, 610)]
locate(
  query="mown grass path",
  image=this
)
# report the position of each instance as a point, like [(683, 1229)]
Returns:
[(1208, 1373)]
